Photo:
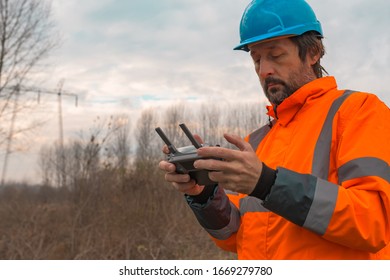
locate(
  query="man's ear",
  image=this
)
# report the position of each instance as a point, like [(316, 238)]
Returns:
[(313, 58)]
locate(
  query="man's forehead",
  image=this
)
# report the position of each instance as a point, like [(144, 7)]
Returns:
[(269, 44)]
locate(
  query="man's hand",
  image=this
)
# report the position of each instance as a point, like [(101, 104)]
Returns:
[(181, 182), (239, 171)]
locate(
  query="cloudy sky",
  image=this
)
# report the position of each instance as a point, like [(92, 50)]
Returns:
[(122, 56)]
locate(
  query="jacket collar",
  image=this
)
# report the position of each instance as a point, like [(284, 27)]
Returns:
[(286, 111)]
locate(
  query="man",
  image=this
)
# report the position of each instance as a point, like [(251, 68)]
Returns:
[(315, 182)]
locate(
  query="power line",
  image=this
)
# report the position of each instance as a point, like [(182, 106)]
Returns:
[(59, 92)]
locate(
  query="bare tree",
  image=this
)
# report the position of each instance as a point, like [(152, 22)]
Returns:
[(26, 37), (210, 123), (82, 158), (45, 163), (173, 116), (120, 143), (147, 148), (118, 150)]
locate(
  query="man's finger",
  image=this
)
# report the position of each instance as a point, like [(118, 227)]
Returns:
[(218, 152), (165, 149), (177, 178), (198, 138), (212, 164), (238, 142), (166, 166)]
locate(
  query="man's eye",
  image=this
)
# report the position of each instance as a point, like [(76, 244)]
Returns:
[(275, 56)]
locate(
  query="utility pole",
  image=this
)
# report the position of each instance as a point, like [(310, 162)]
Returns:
[(10, 135), (17, 89)]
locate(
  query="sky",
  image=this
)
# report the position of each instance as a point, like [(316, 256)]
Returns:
[(123, 56)]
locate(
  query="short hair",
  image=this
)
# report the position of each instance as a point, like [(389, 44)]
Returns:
[(311, 42)]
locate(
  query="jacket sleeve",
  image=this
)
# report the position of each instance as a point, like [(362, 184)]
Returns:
[(220, 217), (352, 207)]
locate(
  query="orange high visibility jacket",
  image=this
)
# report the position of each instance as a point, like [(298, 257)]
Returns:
[(331, 197)]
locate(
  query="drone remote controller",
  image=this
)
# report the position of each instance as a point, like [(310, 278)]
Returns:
[(184, 157)]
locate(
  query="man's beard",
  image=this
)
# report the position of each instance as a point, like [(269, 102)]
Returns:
[(281, 91), (277, 94)]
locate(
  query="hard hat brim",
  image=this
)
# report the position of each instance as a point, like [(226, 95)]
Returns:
[(287, 32)]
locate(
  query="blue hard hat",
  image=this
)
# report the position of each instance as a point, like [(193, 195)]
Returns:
[(267, 19)]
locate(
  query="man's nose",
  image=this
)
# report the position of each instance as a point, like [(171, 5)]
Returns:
[(266, 69)]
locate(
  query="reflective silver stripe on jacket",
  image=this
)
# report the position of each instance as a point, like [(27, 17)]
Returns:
[(258, 135), (251, 204), (322, 207), (321, 159), (247, 204), (365, 166)]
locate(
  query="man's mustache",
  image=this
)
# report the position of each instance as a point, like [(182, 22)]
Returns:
[(272, 80)]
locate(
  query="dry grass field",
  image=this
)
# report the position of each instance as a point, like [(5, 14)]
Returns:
[(101, 221)]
